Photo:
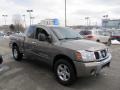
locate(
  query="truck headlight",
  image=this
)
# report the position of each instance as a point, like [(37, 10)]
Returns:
[(85, 55)]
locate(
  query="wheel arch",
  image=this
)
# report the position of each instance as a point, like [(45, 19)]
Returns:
[(61, 56)]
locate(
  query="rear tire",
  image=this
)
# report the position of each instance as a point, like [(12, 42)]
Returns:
[(64, 72), (97, 40), (16, 53)]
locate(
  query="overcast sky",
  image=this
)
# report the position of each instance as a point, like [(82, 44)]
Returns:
[(77, 10)]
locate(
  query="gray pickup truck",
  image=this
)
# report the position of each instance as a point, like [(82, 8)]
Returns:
[(69, 55)]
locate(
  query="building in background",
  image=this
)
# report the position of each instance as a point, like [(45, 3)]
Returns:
[(84, 27), (111, 24), (49, 22)]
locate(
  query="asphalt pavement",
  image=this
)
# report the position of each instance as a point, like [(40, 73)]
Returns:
[(34, 75)]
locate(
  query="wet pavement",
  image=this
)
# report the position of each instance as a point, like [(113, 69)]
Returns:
[(34, 75)]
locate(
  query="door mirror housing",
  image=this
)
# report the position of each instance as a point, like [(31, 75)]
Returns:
[(49, 39), (43, 37)]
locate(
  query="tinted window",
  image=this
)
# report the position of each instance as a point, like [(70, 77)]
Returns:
[(40, 30), (30, 32), (85, 32)]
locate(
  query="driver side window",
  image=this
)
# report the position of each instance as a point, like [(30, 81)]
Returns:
[(40, 31)]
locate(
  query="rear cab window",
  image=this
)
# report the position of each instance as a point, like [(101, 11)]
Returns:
[(30, 33)]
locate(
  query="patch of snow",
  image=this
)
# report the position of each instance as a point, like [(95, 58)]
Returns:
[(115, 42)]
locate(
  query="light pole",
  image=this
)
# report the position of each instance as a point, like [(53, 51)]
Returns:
[(32, 19), (105, 21), (5, 16), (65, 15), (29, 11), (87, 19), (24, 19), (87, 22), (105, 16)]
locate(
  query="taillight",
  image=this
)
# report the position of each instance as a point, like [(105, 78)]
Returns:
[(90, 37)]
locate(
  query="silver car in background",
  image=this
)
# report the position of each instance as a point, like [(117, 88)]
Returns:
[(97, 35)]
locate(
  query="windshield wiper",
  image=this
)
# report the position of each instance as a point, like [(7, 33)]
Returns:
[(63, 38), (76, 38)]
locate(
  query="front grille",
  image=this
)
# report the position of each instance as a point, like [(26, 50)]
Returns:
[(100, 54), (103, 53), (97, 55)]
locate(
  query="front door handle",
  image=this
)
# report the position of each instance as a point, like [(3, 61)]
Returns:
[(33, 42)]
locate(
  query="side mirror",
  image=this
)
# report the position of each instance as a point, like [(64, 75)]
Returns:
[(49, 39), (41, 37)]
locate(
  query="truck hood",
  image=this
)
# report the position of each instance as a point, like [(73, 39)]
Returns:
[(82, 45)]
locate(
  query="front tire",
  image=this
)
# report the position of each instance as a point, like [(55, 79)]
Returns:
[(64, 72), (16, 53)]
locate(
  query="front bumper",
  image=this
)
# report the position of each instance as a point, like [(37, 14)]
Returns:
[(91, 68)]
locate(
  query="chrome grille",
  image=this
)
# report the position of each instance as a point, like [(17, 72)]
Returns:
[(97, 56), (103, 53), (100, 54)]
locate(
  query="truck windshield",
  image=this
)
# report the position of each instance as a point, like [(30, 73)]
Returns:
[(63, 33)]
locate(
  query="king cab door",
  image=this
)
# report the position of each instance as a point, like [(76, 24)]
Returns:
[(42, 49), (29, 40)]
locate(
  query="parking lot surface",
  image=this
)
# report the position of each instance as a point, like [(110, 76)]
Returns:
[(34, 75)]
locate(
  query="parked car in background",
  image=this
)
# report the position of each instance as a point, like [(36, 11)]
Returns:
[(96, 35)]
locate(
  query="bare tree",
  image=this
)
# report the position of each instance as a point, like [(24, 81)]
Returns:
[(12, 28), (17, 21)]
